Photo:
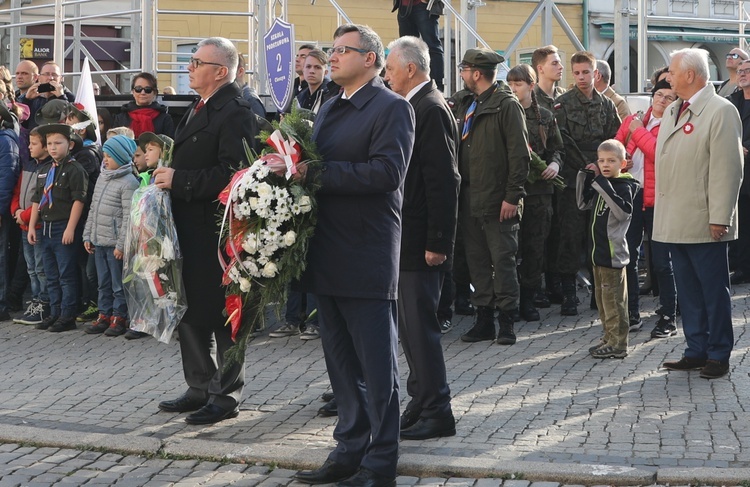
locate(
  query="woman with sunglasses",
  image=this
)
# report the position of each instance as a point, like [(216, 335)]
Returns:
[(144, 113)]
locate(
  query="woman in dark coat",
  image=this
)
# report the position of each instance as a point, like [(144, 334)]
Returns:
[(144, 113)]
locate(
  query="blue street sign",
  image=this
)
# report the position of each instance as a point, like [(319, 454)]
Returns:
[(279, 48)]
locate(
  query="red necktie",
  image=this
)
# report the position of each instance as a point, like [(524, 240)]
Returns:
[(199, 106), (683, 108)]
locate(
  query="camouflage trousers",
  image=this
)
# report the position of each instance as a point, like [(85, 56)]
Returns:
[(535, 228)]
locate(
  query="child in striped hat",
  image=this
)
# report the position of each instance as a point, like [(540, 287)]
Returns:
[(104, 234)]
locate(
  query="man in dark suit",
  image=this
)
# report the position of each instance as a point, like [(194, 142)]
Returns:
[(365, 136), (207, 148), (429, 229), (739, 250)]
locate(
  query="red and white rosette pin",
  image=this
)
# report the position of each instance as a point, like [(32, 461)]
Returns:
[(688, 128)]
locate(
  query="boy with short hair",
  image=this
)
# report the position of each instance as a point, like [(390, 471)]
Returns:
[(21, 207), (104, 234), (156, 148), (603, 188), (59, 198)]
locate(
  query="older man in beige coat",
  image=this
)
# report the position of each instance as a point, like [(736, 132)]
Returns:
[(698, 174)]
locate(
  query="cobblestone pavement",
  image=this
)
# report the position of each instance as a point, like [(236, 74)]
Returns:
[(541, 400)]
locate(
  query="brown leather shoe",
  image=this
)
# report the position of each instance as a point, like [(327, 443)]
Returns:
[(685, 363)]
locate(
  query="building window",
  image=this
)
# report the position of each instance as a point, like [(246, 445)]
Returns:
[(724, 8), (683, 8)]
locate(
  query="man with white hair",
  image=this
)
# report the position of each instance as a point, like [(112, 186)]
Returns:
[(429, 229), (698, 176), (207, 149)]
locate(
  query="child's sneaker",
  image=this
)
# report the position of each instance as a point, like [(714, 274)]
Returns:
[(46, 323), (118, 326), (601, 343), (286, 330), (88, 314), (664, 328), (312, 332), (64, 323), (34, 314), (99, 326), (609, 352)]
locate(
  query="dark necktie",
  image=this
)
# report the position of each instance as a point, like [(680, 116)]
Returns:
[(199, 106), (683, 108)]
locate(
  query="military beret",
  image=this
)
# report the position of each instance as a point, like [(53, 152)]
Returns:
[(482, 58)]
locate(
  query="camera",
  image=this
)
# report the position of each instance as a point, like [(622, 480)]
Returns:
[(45, 88)]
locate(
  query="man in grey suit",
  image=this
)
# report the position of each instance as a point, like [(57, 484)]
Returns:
[(429, 230)]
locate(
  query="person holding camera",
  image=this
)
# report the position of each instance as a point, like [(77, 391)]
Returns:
[(48, 86)]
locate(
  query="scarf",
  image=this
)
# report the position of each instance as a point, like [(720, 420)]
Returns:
[(142, 120), (48, 184)]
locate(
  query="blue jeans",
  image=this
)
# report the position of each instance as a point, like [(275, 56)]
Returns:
[(662, 267), (4, 272), (60, 267), (35, 268), (109, 271), (419, 23), (293, 315)]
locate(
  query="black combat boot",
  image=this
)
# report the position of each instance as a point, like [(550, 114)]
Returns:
[(554, 287), (569, 305), (484, 327), (528, 310), (505, 336), (541, 300)]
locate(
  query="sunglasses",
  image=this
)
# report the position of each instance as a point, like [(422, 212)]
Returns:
[(734, 55), (141, 89)]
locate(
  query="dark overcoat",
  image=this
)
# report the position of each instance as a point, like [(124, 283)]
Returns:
[(431, 186), (207, 150)]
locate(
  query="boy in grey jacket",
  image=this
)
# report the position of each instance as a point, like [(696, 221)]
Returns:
[(609, 194), (104, 234)]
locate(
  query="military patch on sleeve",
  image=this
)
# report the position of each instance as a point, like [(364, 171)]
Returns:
[(451, 102), (557, 106)]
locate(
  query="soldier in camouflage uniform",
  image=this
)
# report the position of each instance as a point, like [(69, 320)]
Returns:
[(586, 119), (546, 142), (549, 71)]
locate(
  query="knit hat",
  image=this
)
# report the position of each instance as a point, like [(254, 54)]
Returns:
[(120, 148), (661, 85)]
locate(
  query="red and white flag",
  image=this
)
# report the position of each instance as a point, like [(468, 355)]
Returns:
[(85, 96)]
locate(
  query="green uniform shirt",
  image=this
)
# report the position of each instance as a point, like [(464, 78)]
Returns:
[(70, 185)]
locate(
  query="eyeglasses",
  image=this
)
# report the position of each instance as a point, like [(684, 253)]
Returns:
[(197, 63), (462, 67), (143, 89), (743, 71), (341, 50), (50, 75), (669, 98), (734, 55)]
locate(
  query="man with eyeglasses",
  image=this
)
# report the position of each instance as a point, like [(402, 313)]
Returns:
[(365, 135), (739, 250), (734, 58), (493, 160), (48, 86), (207, 150)]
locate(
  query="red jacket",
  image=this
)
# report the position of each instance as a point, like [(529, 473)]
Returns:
[(644, 140)]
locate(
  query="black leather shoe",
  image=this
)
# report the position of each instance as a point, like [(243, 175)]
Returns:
[(714, 369), (210, 414), (427, 428), (330, 472), (329, 409), (367, 478), (182, 404), (326, 396), (685, 363), (409, 417)]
